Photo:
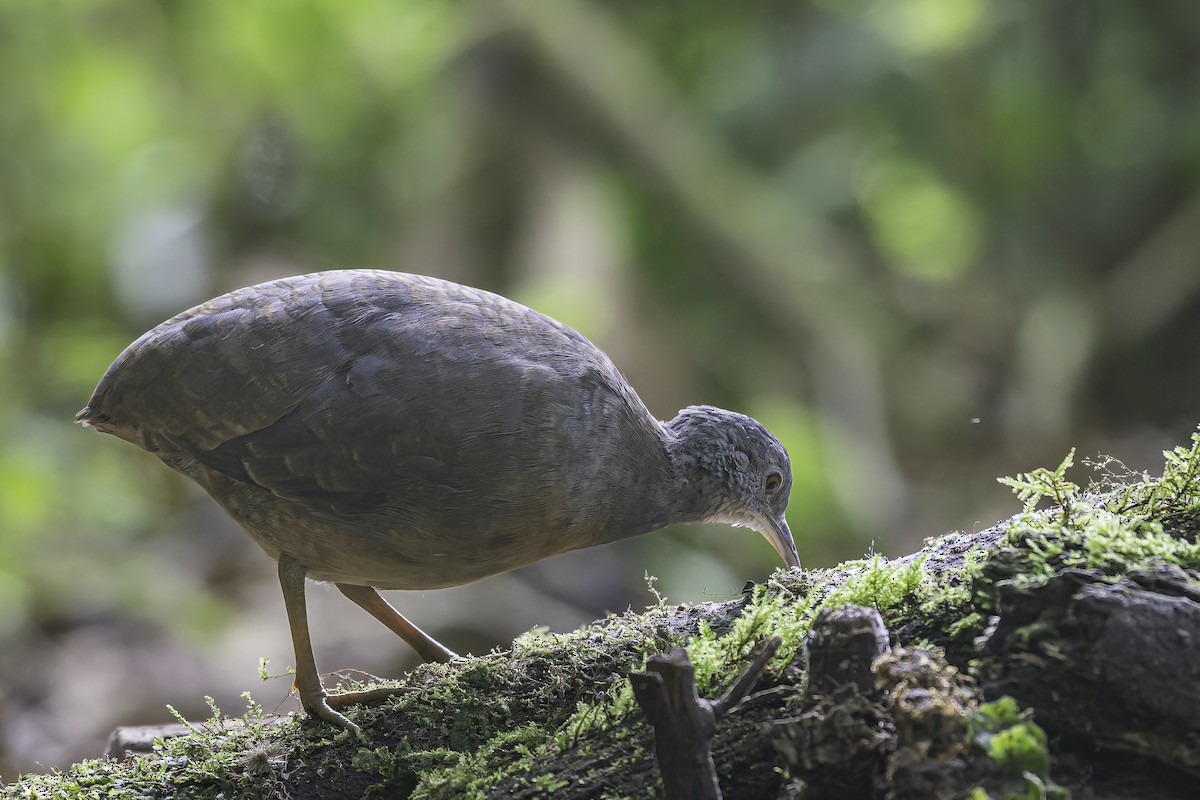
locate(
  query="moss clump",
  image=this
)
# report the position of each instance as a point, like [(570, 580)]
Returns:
[(1018, 748), (218, 759), (772, 609), (505, 756), (1122, 521)]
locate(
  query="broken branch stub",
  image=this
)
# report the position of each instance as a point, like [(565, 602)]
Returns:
[(684, 723)]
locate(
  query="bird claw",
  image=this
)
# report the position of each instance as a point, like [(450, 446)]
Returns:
[(327, 706), (458, 662), (365, 696), (324, 711)]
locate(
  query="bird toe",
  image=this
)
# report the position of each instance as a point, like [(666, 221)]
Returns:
[(324, 711)]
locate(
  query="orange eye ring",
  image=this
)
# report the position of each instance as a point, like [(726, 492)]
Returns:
[(773, 482)]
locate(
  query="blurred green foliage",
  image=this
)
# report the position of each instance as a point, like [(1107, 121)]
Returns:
[(926, 241)]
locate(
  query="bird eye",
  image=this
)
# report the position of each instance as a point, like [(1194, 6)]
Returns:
[(774, 481)]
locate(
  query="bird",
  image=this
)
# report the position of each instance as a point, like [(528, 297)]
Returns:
[(386, 430)]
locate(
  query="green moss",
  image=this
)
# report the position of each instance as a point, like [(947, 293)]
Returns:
[(1120, 522), (400, 768), (769, 613), (506, 755), (594, 656), (604, 713), (772, 610), (881, 585), (217, 760), (1018, 747)]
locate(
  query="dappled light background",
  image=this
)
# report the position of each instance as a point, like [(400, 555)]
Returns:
[(927, 242)]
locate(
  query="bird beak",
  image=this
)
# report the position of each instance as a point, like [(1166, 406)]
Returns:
[(777, 533)]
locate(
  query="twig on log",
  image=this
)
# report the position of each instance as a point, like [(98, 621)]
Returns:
[(684, 722)]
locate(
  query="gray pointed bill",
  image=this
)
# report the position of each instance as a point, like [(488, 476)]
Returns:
[(777, 533)]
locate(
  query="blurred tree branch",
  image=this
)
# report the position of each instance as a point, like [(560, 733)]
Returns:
[(1158, 281)]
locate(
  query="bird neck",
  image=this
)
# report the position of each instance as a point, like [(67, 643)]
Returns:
[(700, 472)]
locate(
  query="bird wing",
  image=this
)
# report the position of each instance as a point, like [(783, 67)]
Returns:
[(348, 391), (225, 368), (349, 445)]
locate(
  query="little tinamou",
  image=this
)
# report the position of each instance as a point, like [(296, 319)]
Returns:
[(381, 430)]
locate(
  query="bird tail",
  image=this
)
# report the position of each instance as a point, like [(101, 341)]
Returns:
[(89, 417)]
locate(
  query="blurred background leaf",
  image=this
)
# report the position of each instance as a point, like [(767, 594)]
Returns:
[(927, 242)]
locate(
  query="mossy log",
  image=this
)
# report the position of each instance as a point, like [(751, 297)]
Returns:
[(1114, 661), (1054, 655)]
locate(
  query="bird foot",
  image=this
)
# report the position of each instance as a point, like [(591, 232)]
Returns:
[(458, 662), (366, 696), (324, 711), (343, 698), (328, 706)]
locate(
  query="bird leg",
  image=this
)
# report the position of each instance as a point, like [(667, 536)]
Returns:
[(308, 681), (428, 648)]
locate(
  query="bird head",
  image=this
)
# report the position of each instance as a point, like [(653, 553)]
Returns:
[(737, 473)]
